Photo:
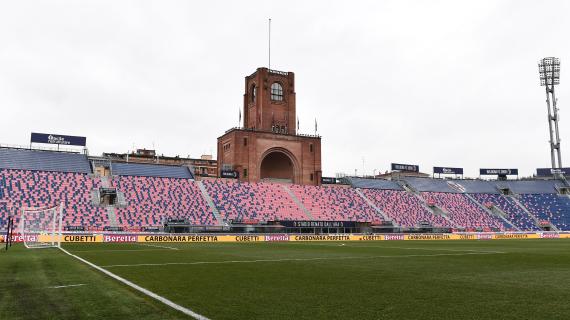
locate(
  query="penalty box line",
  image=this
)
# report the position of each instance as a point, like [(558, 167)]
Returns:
[(140, 289), (296, 259)]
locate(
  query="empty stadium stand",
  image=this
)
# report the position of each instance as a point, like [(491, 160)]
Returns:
[(405, 208), (478, 186), (150, 170), (26, 189), (262, 201), (429, 185), (515, 214), (151, 201), (25, 159), (463, 211), (335, 203), (151, 194), (550, 207), (374, 184), (528, 187)]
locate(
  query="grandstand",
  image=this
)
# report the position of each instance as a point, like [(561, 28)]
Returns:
[(149, 195)]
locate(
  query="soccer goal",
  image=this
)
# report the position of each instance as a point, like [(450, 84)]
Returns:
[(41, 227)]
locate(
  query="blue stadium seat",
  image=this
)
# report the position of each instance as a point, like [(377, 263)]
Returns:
[(24, 159), (150, 170)]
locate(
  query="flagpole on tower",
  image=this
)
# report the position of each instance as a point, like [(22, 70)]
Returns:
[(269, 67)]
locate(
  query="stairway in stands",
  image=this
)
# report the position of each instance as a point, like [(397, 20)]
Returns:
[(373, 206), (210, 203), (436, 211), (499, 213), (298, 202), (111, 213)]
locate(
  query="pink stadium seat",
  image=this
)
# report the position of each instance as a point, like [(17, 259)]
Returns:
[(404, 208), (253, 201), (335, 203), (463, 211), (151, 201), (22, 188)]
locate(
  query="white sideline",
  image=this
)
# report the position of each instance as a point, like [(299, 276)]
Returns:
[(141, 289), (403, 248), (295, 259), (157, 246), (68, 286)]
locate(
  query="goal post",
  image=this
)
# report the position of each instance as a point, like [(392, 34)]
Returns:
[(41, 227)]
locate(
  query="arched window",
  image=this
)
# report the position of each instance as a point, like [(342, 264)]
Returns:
[(276, 91), (253, 92)]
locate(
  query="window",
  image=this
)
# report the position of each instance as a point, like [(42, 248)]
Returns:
[(311, 177), (245, 173), (245, 142), (276, 91), (311, 147), (253, 92)]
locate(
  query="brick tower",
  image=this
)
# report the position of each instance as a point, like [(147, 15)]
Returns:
[(268, 147)]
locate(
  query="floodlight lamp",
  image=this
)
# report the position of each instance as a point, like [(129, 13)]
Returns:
[(549, 71)]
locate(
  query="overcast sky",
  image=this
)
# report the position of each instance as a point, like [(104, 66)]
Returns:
[(444, 83)]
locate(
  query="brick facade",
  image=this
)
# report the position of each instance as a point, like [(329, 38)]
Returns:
[(267, 146)]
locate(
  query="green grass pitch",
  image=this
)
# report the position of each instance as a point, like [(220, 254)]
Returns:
[(499, 279)]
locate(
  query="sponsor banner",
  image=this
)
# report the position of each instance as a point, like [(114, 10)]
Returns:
[(277, 237), (241, 238), (178, 238), (58, 139), (230, 174), (447, 170), (130, 238), (484, 236), (420, 236), (549, 235), (546, 172), (372, 237), (466, 236), (317, 224), (394, 237), (499, 236), (328, 180), (19, 238), (323, 237), (120, 238), (71, 238), (498, 172), (405, 167)]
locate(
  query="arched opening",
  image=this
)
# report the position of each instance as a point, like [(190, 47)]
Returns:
[(277, 166)]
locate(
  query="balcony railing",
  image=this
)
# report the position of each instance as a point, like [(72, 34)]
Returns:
[(268, 131)]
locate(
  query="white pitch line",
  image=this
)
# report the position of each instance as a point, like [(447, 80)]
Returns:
[(403, 248), (117, 250), (141, 289), (68, 286), (293, 259), (157, 246)]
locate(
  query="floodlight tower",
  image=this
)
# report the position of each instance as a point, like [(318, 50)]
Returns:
[(549, 71)]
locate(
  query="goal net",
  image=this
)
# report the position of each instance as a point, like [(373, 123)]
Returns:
[(41, 227)]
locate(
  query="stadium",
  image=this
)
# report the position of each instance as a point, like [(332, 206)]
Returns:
[(260, 233)]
